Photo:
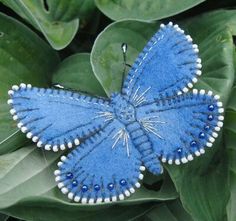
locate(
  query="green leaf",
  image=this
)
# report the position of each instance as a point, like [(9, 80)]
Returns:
[(27, 180), (201, 183), (76, 73), (230, 139), (22, 60), (59, 33), (144, 10)]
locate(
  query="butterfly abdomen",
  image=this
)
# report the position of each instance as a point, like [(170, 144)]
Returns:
[(144, 146)]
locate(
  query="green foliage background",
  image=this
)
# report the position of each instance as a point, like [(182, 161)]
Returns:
[(77, 43)]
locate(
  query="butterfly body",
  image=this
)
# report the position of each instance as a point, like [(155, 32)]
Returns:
[(154, 119)]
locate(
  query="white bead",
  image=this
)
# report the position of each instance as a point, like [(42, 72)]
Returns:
[(189, 39), (12, 111), (107, 200), (70, 195), (170, 161), (114, 198), (127, 193), (57, 172), (24, 129), (91, 201), (220, 124), (29, 86), (199, 60), (63, 158), (217, 97), (202, 151), (15, 117), (137, 184), (77, 199), (184, 160), (140, 176), (70, 145), (195, 46), (76, 141), (170, 23), (162, 26), (142, 168), (198, 72), (121, 196), (15, 88), (221, 118), (10, 92), (195, 91), (197, 153), (60, 185), (202, 92), (210, 93), (29, 135), (185, 90), (64, 190), (190, 157), (221, 110), (199, 66), (57, 178), (190, 85), (163, 159), (59, 163), (35, 139), (84, 200), (177, 162), (196, 50), (62, 147), (219, 104), (194, 80), (212, 139), (55, 148), (19, 125), (22, 85), (215, 135), (10, 101), (179, 93), (132, 190), (47, 147), (217, 128), (209, 144), (39, 144)]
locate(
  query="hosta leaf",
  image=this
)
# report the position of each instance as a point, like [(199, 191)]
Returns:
[(22, 60), (201, 183), (144, 10), (75, 72), (57, 21)]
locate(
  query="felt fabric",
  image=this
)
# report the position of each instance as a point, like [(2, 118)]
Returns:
[(153, 119)]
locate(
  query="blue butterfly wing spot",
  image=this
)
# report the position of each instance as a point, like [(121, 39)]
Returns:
[(57, 119), (106, 167), (182, 127), (167, 66)]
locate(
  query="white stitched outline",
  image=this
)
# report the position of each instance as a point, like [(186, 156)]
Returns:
[(105, 114), (122, 135), (139, 98), (149, 125)]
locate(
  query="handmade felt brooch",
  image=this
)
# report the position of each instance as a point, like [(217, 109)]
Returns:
[(155, 118)]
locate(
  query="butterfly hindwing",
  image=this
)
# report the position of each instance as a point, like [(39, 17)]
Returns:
[(167, 66), (54, 118), (106, 167), (182, 126)]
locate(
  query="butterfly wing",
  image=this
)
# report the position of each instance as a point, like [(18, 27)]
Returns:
[(57, 118), (182, 126), (167, 66), (106, 167)]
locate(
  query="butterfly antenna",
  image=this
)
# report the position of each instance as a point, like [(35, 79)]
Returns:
[(124, 48)]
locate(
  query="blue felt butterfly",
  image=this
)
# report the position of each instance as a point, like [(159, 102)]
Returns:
[(153, 119)]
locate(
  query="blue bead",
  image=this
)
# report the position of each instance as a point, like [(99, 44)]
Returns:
[(207, 127), (193, 143), (210, 117), (74, 183), (84, 188), (123, 182), (211, 107), (201, 135), (179, 150), (69, 175), (96, 187), (110, 186)]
